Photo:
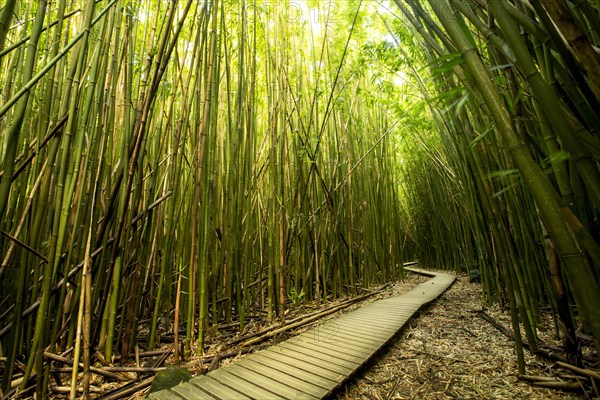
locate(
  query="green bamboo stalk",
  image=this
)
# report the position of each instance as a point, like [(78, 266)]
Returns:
[(5, 19), (208, 116), (577, 41), (549, 101), (575, 264), (23, 107)]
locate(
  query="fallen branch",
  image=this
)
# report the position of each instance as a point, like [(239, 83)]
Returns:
[(128, 389), (581, 371), (537, 378), (441, 356), (380, 382), (142, 370), (391, 393), (15, 393), (67, 389), (214, 364), (235, 353), (95, 370), (559, 385), (509, 334), (504, 330)]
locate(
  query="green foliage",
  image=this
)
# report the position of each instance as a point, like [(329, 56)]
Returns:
[(295, 297)]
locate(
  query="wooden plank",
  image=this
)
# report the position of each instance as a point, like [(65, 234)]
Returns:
[(367, 334), (377, 320), (165, 394), (373, 326), (273, 374), (382, 333), (396, 308), (332, 337), (384, 314), (267, 383), (216, 388), (339, 337), (357, 356), (312, 368), (380, 320), (370, 334), (250, 389), (403, 301), (400, 309), (374, 308), (375, 342), (336, 360), (370, 321), (337, 343), (350, 346), (399, 302), (191, 392), (322, 362), (294, 370), (359, 323), (333, 349), (389, 311), (368, 318)]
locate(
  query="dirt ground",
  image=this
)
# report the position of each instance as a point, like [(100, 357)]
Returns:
[(450, 352)]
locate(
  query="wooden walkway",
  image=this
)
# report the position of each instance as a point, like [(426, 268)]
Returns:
[(313, 364)]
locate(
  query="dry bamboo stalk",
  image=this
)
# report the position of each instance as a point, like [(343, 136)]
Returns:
[(95, 370), (559, 385), (581, 371)]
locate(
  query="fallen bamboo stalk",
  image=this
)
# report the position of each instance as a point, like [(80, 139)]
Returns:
[(12, 393), (559, 385), (537, 378), (581, 371), (118, 369), (67, 389), (391, 393), (504, 330), (127, 389), (134, 369), (146, 354), (95, 370), (214, 364), (509, 334), (235, 353)]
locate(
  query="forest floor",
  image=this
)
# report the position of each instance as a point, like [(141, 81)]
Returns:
[(450, 352), (447, 352)]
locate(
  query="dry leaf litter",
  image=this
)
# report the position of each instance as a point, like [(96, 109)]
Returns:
[(450, 352)]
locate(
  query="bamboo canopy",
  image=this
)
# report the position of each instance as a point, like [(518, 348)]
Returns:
[(173, 166)]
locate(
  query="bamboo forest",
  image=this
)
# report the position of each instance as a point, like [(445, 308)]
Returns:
[(184, 174)]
